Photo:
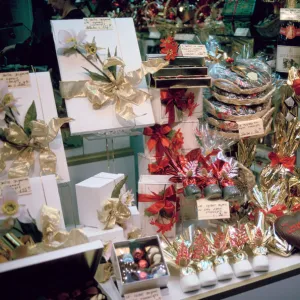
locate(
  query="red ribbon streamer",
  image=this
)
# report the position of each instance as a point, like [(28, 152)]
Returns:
[(277, 210), (286, 161)]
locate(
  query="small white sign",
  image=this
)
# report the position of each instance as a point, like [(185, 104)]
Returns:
[(250, 127), (98, 24), (212, 209), (153, 294), (242, 32), (20, 185), (184, 37), (192, 50), (16, 79)]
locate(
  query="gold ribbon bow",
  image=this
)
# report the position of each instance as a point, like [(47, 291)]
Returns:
[(114, 212), (119, 88), (20, 147)]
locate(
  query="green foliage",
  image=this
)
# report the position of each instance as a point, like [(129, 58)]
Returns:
[(30, 116), (117, 190), (97, 77)]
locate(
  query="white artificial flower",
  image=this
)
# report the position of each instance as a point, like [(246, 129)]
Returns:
[(91, 49), (127, 198), (7, 100), (9, 206), (69, 40)]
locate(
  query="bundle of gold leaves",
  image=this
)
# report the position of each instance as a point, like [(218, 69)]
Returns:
[(282, 165)]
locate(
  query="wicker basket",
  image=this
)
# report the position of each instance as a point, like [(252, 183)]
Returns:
[(271, 29)]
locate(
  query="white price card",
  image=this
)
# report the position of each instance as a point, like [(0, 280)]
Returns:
[(19, 79), (250, 127), (98, 24), (20, 185), (153, 294), (212, 209), (192, 50), (242, 32)]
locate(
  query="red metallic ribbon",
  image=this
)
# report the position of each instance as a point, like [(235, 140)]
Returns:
[(286, 161), (159, 167), (277, 210), (218, 168), (158, 139)]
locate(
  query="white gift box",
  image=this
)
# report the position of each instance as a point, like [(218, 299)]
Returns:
[(123, 36), (41, 92), (135, 286), (159, 110), (143, 162), (44, 191), (92, 194), (115, 234), (146, 185)]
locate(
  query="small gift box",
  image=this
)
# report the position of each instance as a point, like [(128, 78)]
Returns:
[(115, 234), (183, 61), (158, 205), (92, 194), (176, 105), (139, 264)]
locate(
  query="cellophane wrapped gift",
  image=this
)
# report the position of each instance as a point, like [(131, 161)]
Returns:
[(158, 205)]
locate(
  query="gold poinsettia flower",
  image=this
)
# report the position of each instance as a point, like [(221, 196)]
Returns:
[(10, 208)]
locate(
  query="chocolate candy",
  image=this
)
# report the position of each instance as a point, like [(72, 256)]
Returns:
[(143, 264), (143, 275), (154, 255), (158, 271), (138, 254), (128, 258)]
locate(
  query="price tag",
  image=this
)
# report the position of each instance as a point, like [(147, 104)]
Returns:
[(212, 209), (242, 32), (184, 37), (98, 24), (153, 294), (250, 127), (20, 185), (192, 50), (153, 33), (16, 79)]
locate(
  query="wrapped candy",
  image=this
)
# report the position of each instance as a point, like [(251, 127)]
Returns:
[(202, 256), (237, 240), (220, 249), (294, 81), (259, 237), (272, 204), (178, 253), (281, 167)]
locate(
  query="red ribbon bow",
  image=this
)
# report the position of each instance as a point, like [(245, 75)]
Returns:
[(286, 161), (277, 210), (158, 139), (159, 167), (168, 202)]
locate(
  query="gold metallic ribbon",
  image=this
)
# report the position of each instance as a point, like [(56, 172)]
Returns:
[(120, 90), (20, 147), (114, 212), (104, 272)]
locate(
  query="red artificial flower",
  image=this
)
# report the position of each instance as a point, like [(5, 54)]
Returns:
[(164, 227), (169, 47), (296, 86), (167, 41), (176, 142), (229, 60), (159, 168), (191, 105)]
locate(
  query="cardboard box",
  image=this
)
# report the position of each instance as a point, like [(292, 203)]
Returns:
[(159, 110), (92, 194), (99, 234), (123, 36), (140, 285), (41, 92), (147, 185)]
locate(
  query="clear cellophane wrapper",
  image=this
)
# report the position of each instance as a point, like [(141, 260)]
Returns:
[(287, 139), (230, 126), (246, 76), (272, 203), (236, 112), (238, 99), (294, 190)]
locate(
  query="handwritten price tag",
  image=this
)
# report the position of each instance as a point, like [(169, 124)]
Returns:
[(98, 24), (250, 128), (242, 32), (16, 79), (192, 50), (214, 209), (20, 185), (153, 294)]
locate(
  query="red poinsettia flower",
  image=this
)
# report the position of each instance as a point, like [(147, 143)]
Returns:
[(169, 47), (167, 41), (296, 86), (176, 142), (191, 105)]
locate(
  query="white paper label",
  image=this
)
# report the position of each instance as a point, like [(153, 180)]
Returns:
[(289, 102), (16, 79), (212, 209), (154, 33), (250, 127), (192, 50), (242, 32), (153, 294), (98, 24), (287, 57), (184, 36), (20, 185), (289, 14)]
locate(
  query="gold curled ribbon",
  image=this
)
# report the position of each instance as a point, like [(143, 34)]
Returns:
[(104, 272), (20, 147), (119, 89), (114, 212)]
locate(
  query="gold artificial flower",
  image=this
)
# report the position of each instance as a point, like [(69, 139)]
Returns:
[(91, 49), (10, 208)]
